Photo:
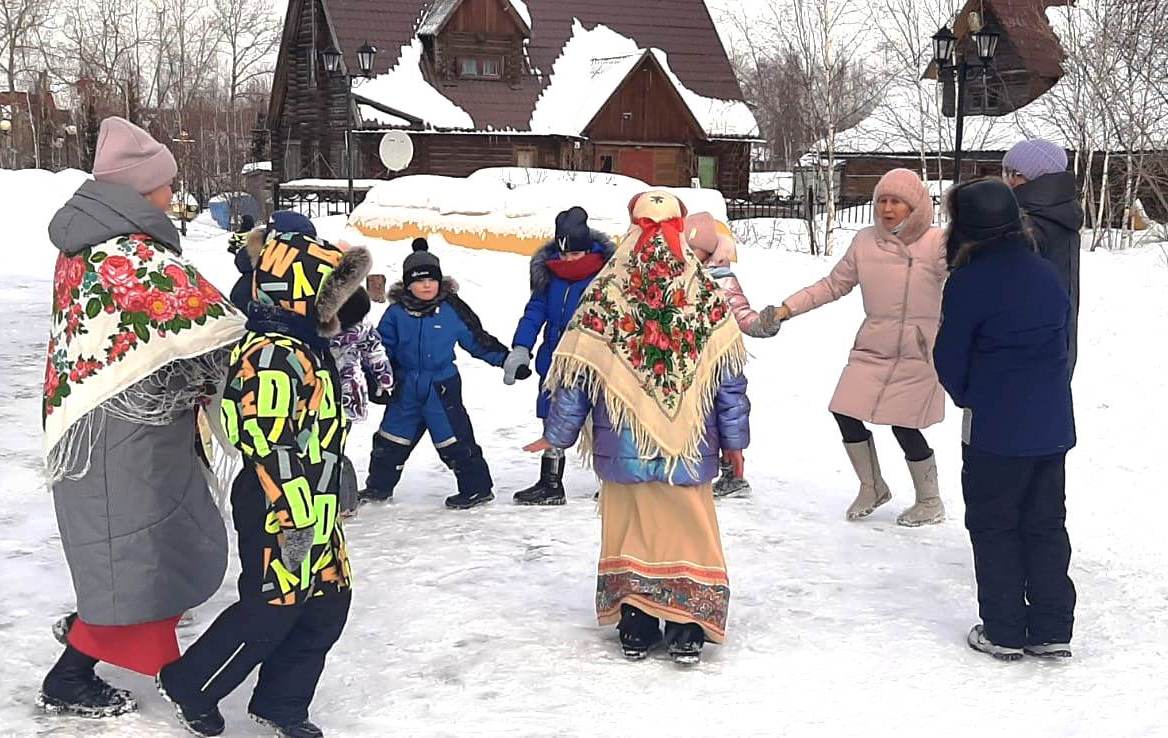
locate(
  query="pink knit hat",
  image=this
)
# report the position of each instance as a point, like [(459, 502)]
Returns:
[(127, 155), (906, 186)]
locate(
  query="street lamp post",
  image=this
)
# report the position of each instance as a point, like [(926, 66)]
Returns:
[(951, 64), (331, 58)]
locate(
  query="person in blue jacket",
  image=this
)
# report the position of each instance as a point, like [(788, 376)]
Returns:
[(560, 272), (424, 322), (1002, 355)]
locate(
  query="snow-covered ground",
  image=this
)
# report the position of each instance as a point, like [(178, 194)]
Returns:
[(482, 623)]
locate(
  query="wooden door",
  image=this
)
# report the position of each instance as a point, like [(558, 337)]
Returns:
[(638, 163)]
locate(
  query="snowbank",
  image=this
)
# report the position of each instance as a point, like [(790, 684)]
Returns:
[(782, 183), (493, 210), (28, 200)]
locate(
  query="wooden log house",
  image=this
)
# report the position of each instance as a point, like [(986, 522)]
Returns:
[(643, 89)]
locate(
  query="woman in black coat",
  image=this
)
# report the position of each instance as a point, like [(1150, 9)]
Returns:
[(1002, 356)]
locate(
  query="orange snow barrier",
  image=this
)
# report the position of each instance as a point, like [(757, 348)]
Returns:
[(486, 240)]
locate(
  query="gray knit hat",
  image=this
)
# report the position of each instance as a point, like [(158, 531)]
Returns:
[(1035, 157), (421, 264)]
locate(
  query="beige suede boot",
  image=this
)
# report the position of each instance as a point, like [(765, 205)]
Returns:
[(928, 509), (873, 491)]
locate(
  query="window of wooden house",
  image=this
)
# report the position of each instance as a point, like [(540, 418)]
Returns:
[(606, 163), (480, 67), (983, 101)]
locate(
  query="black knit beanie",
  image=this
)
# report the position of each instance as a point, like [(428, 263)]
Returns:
[(572, 232), (421, 264)]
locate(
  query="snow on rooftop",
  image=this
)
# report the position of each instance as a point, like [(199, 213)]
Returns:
[(375, 115), (404, 88), (781, 182), (524, 13), (256, 166), (717, 117), (590, 67)]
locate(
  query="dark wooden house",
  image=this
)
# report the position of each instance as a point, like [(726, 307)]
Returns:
[(999, 108), (643, 89)]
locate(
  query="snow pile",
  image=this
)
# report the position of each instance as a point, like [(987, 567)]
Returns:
[(532, 175), (592, 65), (491, 210), (28, 200), (404, 88)]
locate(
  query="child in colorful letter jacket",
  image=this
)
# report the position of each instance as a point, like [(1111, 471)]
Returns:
[(282, 410)]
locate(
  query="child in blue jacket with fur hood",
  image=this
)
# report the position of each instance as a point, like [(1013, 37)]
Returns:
[(560, 272)]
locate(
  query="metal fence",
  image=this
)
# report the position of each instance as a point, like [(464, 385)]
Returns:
[(316, 203), (848, 210)]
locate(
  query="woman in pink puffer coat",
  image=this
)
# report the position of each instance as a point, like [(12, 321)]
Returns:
[(899, 264)]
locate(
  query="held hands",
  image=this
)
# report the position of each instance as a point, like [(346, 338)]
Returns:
[(538, 447), (737, 462), (515, 365)]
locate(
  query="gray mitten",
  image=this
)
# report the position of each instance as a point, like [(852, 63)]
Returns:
[(767, 325), (519, 357), (296, 546)]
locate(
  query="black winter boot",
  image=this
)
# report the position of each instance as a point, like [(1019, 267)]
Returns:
[(71, 688), (685, 641), (467, 500), (200, 722), (305, 729), (549, 490), (638, 633), (374, 495)]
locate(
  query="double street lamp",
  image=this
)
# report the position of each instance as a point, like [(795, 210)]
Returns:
[(331, 58), (955, 66)]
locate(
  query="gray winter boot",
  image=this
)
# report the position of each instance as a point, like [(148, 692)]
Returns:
[(873, 491), (928, 509)]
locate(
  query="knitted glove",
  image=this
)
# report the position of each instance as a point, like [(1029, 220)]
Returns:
[(767, 325), (516, 364), (296, 547)]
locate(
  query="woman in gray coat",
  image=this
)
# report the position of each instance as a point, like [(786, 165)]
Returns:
[(138, 340)]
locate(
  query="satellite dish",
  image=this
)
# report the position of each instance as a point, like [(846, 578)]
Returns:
[(396, 150)]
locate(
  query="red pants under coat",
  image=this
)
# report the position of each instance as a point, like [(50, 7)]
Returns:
[(144, 648)]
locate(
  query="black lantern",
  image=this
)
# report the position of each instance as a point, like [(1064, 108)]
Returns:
[(331, 59), (365, 56), (987, 44), (943, 44)]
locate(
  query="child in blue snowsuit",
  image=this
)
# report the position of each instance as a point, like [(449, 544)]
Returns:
[(560, 272), (419, 330)]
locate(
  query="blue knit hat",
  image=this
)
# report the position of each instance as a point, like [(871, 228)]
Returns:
[(290, 221), (1035, 157)]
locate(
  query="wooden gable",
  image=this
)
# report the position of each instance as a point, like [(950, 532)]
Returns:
[(645, 107), (476, 39), (1028, 61)]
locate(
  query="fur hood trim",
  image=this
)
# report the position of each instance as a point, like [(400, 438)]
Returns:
[(346, 279), (541, 276)]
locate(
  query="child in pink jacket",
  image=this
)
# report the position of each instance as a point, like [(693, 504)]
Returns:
[(715, 250), (366, 376)]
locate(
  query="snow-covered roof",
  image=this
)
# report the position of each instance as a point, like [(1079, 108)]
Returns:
[(329, 184), (404, 88), (441, 10), (594, 62), (780, 182), (377, 115), (256, 166)]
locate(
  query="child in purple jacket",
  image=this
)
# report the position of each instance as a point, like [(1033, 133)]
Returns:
[(366, 376)]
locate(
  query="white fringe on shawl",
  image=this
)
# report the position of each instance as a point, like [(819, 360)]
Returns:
[(585, 360)]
